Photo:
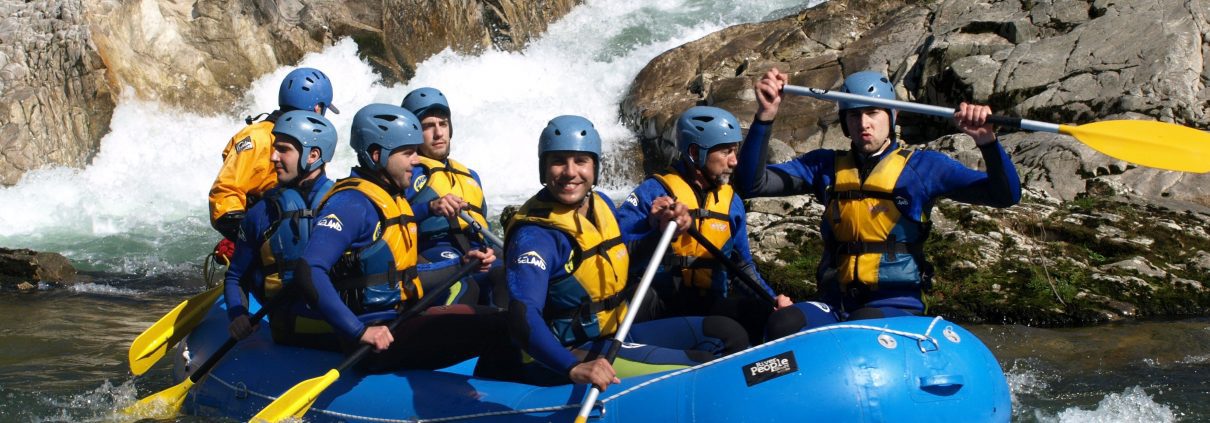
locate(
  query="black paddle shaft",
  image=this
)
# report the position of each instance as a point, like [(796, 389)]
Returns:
[(419, 307), (731, 266), (231, 341)]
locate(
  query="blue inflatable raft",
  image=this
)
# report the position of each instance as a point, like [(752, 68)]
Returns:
[(900, 369)]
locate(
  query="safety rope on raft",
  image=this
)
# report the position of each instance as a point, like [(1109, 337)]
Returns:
[(920, 338)]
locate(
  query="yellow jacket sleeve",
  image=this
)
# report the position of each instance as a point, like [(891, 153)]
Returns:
[(246, 170)]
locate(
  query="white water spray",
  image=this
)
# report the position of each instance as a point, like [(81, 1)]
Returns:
[(140, 207)]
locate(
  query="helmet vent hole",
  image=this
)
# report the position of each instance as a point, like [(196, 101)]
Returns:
[(383, 128), (884, 80), (558, 132), (871, 89), (703, 119), (388, 118), (583, 133), (700, 129)]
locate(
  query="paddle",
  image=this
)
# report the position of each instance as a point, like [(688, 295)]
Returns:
[(732, 267), (150, 346), (297, 400), (631, 312), (486, 234), (165, 404), (1148, 143)]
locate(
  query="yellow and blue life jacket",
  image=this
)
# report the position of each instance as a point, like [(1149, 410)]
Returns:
[(589, 302), (712, 219), (449, 178), (874, 246), (286, 238), (381, 275)]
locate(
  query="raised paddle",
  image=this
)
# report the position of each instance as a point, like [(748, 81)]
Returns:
[(734, 268), (1149, 143), (165, 404), (295, 402), (486, 234), (631, 312), (150, 346)]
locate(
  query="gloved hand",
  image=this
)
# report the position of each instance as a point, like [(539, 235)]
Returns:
[(228, 224), (224, 250)]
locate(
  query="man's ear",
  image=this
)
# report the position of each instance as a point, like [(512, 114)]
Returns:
[(314, 156)]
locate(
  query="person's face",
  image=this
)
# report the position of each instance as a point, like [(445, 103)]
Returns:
[(399, 165), (720, 162), (569, 175), (285, 160), (869, 128), (436, 128)]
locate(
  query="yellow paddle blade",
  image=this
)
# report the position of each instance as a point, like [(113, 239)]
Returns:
[(295, 402), (155, 342), (1149, 143), (163, 405)]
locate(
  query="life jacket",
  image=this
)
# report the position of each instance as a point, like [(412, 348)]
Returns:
[(712, 219), (871, 241), (449, 178), (286, 237), (590, 301), (381, 275)]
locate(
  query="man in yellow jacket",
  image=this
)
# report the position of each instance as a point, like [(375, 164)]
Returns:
[(246, 172)]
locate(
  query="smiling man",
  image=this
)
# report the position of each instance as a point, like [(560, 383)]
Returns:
[(878, 197)]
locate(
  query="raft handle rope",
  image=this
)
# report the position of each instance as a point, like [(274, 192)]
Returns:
[(212, 275), (600, 404)]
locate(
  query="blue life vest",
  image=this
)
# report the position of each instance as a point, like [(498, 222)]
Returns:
[(288, 234)]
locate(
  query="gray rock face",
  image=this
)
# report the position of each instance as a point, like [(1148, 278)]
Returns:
[(1063, 61), (63, 63), (55, 102), (27, 266)]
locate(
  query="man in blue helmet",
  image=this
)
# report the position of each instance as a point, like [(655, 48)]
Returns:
[(878, 197), (567, 269), (443, 188), (246, 172), (360, 267), (696, 191), (273, 233)]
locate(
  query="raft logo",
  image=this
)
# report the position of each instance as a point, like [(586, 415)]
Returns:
[(532, 258), (770, 368), (633, 199), (331, 221)]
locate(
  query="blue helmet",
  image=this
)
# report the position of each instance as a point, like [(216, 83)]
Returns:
[(425, 100), (311, 130), (706, 127), (869, 84), (387, 126), (569, 133), (305, 88)]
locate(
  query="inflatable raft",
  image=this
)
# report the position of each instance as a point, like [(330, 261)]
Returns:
[(900, 369)]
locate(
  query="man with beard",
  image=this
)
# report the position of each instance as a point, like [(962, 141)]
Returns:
[(696, 192)]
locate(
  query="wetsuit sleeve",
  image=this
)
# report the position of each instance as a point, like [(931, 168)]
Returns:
[(635, 209), (753, 179), (346, 222), (740, 248), (534, 256), (1000, 186), (246, 171), (242, 261)]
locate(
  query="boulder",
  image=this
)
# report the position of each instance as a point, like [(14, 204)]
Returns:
[(22, 266)]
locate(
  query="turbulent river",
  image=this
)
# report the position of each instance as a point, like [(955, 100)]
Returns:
[(134, 221)]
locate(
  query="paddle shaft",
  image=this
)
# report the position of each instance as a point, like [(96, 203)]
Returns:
[(731, 266), (486, 234), (421, 304), (231, 341), (631, 312), (926, 109)]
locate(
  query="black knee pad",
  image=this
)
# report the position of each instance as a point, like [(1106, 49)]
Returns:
[(784, 322), (733, 335)]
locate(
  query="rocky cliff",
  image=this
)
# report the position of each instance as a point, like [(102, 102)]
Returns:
[(63, 64), (1095, 239)]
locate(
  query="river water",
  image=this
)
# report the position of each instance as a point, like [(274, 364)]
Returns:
[(134, 221)]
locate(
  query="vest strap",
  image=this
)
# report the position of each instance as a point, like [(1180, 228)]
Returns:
[(862, 194), (704, 213), (589, 308)]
